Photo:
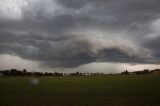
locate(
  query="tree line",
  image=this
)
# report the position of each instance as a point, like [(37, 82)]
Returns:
[(145, 71), (24, 72), (15, 72)]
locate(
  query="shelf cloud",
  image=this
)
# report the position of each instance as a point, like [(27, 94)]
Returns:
[(70, 33)]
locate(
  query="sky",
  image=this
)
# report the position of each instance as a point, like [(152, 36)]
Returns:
[(80, 35)]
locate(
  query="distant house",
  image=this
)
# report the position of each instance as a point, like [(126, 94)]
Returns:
[(156, 71), (87, 74)]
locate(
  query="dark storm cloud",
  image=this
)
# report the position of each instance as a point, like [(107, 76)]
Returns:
[(69, 33), (154, 45)]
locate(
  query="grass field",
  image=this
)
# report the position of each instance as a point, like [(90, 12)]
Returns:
[(111, 90)]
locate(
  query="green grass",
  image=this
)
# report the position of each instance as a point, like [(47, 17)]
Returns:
[(111, 90)]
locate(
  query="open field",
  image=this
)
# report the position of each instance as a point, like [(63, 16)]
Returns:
[(111, 90)]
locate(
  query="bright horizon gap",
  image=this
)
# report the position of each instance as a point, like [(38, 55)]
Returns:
[(12, 61)]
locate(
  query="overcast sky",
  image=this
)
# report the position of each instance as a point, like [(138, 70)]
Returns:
[(79, 34)]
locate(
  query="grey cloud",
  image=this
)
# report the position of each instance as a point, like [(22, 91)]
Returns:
[(154, 45), (75, 4), (48, 29)]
